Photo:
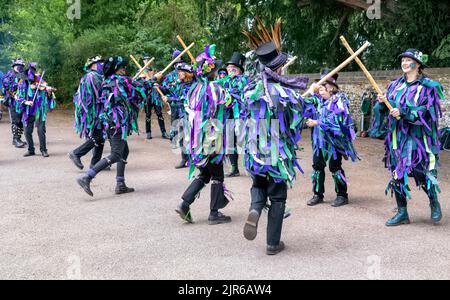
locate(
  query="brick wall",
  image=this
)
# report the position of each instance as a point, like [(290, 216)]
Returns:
[(355, 83)]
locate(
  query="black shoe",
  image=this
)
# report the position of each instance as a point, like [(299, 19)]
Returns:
[(165, 136), (316, 199), (218, 218), (85, 182), (121, 188), (340, 201), (273, 250), (185, 213), (18, 143), (45, 154), (76, 160), (149, 136), (234, 173), (29, 153), (181, 165), (251, 225)]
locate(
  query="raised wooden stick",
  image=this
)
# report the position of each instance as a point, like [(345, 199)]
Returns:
[(143, 68), (176, 59), (341, 66), (367, 73), (184, 46), (289, 63), (163, 97)]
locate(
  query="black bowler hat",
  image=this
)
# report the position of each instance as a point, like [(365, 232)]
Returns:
[(113, 64), (329, 79), (269, 56), (238, 60)]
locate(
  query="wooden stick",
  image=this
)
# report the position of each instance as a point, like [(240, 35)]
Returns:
[(135, 62), (157, 88), (342, 65), (184, 46), (143, 69), (289, 63), (176, 59), (367, 73)]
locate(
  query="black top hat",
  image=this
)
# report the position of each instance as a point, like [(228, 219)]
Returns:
[(238, 60), (113, 64), (417, 55), (146, 56), (269, 56)]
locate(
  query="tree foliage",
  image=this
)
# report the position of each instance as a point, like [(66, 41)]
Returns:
[(41, 31)]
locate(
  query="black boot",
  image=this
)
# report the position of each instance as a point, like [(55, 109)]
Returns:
[(436, 212), (251, 225), (76, 160), (45, 153), (341, 189), (149, 136), (259, 199), (274, 250), (234, 172), (340, 201), (234, 158), (85, 182), (275, 225), (121, 188), (29, 153), (316, 199), (182, 164), (165, 136), (216, 218), (184, 211), (17, 142), (402, 217)]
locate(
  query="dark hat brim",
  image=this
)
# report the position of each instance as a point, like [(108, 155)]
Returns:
[(332, 83), (235, 64), (413, 58)]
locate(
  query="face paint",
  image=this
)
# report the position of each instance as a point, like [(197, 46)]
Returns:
[(100, 68), (413, 66)]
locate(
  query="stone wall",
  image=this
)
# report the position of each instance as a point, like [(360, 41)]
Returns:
[(355, 83)]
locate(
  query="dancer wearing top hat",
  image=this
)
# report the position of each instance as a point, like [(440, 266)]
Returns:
[(273, 108), (235, 85)]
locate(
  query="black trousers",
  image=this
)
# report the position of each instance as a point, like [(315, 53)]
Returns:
[(335, 166), (210, 173), (41, 129), (149, 107), (16, 122), (96, 143), (263, 188), (119, 154)]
